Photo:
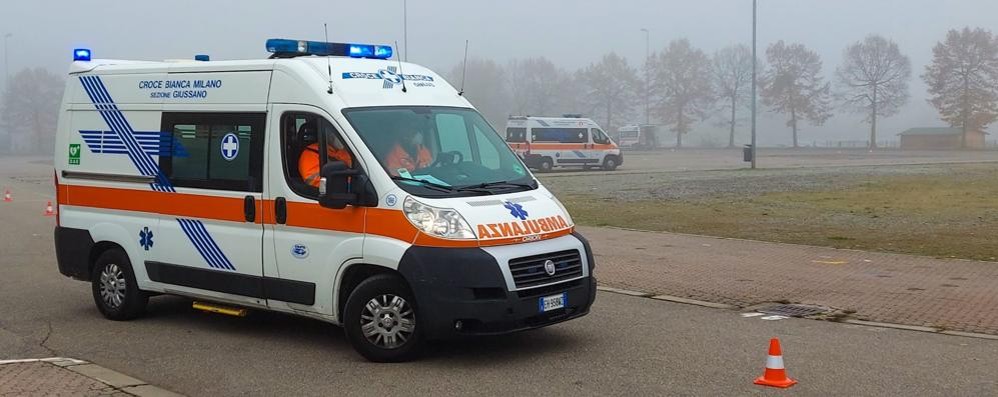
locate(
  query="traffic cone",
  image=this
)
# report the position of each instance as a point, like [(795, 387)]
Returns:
[(48, 209), (775, 374), (6, 196)]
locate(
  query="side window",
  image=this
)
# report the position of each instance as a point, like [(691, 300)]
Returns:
[(561, 135), (302, 136), (222, 151), (453, 134), (600, 137), (516, 134), (487, 152)]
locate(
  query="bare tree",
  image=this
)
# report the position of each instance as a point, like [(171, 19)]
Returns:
[(30, 110), (610, 86), (485, 88), (534, 84), (682, 86), (793, 85), (732, 72), (963, 79), (874, 80)]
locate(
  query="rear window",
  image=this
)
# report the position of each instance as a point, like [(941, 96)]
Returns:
[(516, 134)]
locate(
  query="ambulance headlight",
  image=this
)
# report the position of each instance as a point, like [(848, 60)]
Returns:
[(439, 222)]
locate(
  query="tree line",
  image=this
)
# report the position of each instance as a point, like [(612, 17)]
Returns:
[(684, 86)]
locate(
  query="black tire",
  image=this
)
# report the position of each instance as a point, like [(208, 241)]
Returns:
[(111, 272), (610, 163), (545, 165), (383, 287)]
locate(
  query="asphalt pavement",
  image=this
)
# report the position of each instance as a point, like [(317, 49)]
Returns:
[(626, 346)]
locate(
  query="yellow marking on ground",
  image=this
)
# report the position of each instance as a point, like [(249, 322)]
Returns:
[(831, 262)]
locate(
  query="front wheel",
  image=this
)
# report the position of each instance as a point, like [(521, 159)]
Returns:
[(115, 291), (380, 320), (610, 163)]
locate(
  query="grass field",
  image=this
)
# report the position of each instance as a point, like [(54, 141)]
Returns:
[(941, 211)]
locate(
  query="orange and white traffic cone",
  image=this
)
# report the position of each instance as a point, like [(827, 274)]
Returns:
[(6, 196), (48, 209), (775, 374)]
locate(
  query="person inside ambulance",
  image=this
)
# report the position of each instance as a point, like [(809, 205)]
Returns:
[(409, 153), (308, 161)]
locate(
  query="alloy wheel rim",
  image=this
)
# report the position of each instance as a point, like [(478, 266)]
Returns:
[(388, 321), (112, 286)]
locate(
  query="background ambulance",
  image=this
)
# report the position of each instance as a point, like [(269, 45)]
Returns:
[(547, 142), (183, 178)]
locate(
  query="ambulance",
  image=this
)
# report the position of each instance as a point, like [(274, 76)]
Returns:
[(571, 141), (193, 178)]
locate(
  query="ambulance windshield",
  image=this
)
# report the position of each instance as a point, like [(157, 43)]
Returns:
[(440, 151)]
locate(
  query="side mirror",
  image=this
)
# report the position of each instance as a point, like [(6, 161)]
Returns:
[(335, 185)]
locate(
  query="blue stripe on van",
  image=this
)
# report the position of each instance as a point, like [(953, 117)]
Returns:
[(139, 146)]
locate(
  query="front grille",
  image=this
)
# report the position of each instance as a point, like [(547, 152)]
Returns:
[(529, 271)]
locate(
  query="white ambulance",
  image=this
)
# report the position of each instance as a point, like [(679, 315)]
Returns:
[(206, 179), (547, 142)]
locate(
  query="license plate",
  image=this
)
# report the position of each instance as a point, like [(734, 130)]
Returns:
[(549, 303)]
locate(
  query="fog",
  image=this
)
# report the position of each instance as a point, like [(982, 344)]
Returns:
[(572, 34)]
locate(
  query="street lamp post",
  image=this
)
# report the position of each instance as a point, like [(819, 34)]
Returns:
[(6, 68), (647, 81), (753, 82)]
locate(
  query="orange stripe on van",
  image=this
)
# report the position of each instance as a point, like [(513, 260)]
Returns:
[(177, 204), (376, 221), (564, 146)]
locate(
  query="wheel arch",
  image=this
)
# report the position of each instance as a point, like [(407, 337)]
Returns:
[(352, 276)]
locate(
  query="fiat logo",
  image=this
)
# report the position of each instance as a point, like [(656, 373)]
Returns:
[(549, 267)]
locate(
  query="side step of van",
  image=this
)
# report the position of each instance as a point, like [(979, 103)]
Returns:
[(216, 308)]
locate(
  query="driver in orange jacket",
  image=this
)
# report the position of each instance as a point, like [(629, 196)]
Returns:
[(308, 161)]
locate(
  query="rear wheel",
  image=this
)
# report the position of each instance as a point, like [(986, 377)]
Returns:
[(115, 291), (546, 165), (380, 320)]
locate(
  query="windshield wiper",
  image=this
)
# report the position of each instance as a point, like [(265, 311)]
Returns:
[(487, 185), (425, 183)]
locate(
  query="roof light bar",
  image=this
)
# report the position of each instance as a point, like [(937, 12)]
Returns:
[(81, 54), (293, 48)]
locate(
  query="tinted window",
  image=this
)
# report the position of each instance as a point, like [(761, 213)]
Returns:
[(562, 135), (213, 150)]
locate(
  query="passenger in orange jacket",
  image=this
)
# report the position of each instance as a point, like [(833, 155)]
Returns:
[(409, 154)]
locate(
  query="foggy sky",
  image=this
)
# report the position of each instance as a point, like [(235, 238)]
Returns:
[(570, 33)]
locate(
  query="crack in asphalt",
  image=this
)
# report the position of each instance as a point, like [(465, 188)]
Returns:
[(48, 333)]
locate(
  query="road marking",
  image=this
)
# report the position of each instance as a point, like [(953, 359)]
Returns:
[(830, 262)]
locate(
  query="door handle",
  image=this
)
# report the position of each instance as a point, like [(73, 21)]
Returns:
[(281, 210), (249, 208)]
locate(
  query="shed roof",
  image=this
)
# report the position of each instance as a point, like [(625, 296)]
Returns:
[(932, 131)]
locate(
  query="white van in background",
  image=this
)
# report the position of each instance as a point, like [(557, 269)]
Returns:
[(547, 142)]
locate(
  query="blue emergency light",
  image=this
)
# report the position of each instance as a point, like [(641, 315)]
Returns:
[(202, 58), (285, 48), (81, 54)]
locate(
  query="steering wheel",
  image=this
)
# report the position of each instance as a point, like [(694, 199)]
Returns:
[(448, 158)]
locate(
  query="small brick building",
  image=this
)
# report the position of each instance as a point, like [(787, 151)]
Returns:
[(939, 138)]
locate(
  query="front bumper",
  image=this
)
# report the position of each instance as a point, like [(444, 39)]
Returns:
[(468, 285)]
